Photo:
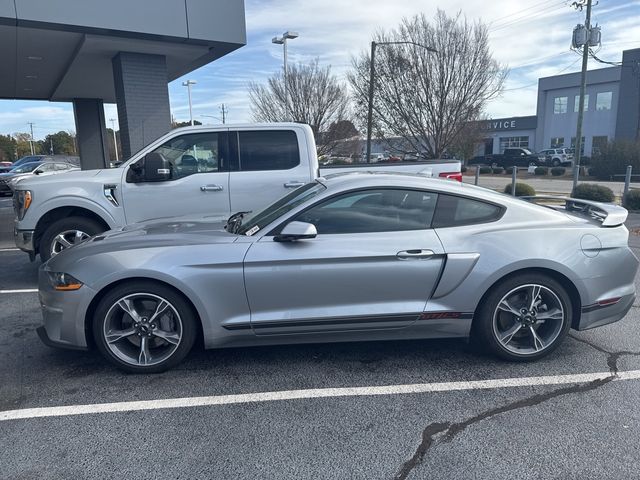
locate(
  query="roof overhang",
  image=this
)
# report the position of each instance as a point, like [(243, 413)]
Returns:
[(54, 52)]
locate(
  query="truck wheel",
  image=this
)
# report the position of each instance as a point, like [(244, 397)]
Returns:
[(556, 163), (65, 233)]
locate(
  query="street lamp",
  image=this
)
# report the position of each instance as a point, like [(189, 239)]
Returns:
[(372, 76), (188, 84), (115, 143), (283, 41)]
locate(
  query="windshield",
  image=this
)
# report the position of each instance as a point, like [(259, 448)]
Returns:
[(254, 223), (29, 167), (527, 151)]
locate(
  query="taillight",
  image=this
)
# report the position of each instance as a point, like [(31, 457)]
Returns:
[(451, 176)]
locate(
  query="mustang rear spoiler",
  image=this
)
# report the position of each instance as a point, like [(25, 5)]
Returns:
[(606, 213)]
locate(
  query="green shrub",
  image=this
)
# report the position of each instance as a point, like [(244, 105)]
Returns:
[(508, 170), (485, 170), (632, 200), (592, 191), (541, 171), (497, 170), (522, 190), (558, 171), (614, 158)]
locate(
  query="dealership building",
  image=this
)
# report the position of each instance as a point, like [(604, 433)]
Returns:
[(611, 111)]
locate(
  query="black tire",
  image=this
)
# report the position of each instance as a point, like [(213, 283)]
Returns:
[(187, 316), (83, 224), (556, 163), (483, 334)]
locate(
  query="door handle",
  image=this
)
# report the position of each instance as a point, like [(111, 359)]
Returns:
[(211, 188), (417, 253), (293, 184)]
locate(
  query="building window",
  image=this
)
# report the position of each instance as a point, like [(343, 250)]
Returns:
[(599, 144), (603, 101), (557, 142), (560, 104), (513, 142), (576, 103), (573, 145)]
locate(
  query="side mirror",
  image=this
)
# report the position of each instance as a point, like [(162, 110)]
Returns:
[(294, 231), (152, 168), (36, 172)]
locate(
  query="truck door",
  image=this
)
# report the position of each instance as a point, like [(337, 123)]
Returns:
[(199, 183), (266, 165)]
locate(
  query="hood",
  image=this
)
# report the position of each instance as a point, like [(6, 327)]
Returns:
[(78, 176), (178, 233)]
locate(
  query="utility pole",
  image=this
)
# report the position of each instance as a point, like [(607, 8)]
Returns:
[(283, 41), (51, 146), (224, 111), (188, 84), (583, 86), (115, 142), (31, 124)]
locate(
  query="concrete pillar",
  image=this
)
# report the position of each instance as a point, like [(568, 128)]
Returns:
[(628, 117), (91, 133), (142, 95)]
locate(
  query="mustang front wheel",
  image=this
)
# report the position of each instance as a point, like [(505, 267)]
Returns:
[(144, 327), (524, 318)]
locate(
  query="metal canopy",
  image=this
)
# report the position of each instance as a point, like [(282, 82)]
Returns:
[(61, 51)]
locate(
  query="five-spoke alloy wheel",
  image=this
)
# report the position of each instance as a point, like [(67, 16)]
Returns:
[(144, 327), (524, 318)]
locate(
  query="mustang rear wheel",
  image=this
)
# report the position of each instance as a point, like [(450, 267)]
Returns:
[(144, 327), (524, 318)]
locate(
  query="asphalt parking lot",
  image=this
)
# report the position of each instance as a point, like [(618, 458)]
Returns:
[(417, 409)]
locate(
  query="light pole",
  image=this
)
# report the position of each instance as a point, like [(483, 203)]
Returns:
[(31, 124), (188, 84), (372, 76), (283, 41), (115, 142)]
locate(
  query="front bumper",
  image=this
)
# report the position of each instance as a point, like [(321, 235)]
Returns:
[(24, 239), (63, 314)]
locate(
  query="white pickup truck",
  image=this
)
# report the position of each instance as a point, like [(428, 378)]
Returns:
[(211, 171)]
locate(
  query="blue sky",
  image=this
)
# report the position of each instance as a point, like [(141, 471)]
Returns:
[(531, 37)]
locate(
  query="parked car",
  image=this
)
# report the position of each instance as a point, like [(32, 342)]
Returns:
[(25, 168), (558, 156), (457, 260), (194, 170), (44, 169), (22, 161), (516, 157)]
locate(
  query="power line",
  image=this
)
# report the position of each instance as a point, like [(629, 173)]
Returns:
[(557, 73), (533, 7)]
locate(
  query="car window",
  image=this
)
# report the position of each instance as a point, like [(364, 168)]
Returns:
[(254, 222), (46, 167), (454, 211), (27, 167), (268, 150), (62, 166), (366, 211), (192, 153)]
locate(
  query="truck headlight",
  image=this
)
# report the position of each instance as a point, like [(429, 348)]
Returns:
[(63, 281), (21, 202)]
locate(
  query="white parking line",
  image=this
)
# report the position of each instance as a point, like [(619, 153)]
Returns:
[(9, 249), (21, 290), (189, 402)]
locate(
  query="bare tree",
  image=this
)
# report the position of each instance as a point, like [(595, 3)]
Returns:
[(464, 144), (315, 97), (423, 97)]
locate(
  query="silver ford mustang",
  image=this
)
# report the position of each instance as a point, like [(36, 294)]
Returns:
[(352, 257)]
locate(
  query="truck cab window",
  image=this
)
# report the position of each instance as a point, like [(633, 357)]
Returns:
[(268, 150), (192, 153)]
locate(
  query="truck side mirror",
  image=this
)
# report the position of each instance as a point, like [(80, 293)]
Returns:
[(152, 168)]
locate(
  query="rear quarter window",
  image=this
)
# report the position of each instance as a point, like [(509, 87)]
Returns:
[(268, 150), (452, 211)]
